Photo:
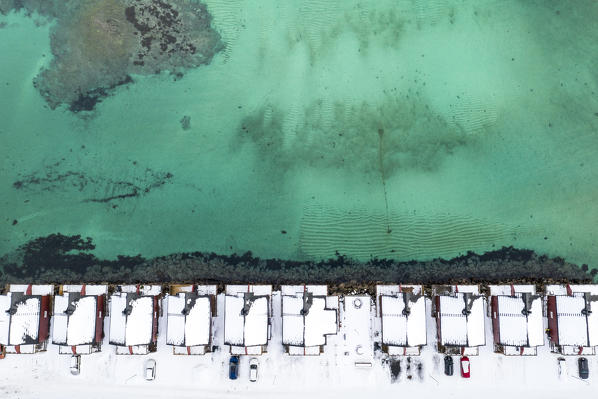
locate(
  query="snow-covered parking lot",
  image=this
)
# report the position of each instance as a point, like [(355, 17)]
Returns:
[(330, 375)]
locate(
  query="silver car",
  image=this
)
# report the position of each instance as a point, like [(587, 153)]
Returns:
[(149, 371), (75, 364), (253, 369)]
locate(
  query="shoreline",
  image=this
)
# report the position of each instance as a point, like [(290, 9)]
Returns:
[(60, 258)]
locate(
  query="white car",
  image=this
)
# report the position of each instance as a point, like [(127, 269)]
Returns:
[(149, 372), (75, 364), (253, 369), (563, 372)]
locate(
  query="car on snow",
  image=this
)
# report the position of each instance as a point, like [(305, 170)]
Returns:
[(562, 367), (233, 367), (253, 369), (465, 371), (584, 370), (149, 371), (448, 365), (75, 364)]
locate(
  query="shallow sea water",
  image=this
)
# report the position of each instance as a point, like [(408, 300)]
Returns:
[(404, 129)]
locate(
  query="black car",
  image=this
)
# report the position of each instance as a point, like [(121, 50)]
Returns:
[(584, 370), (448, 365)]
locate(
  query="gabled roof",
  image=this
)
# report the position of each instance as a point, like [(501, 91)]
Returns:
[(306, 321), (19, 318), (577, 318), (246, 319), (74, 319), (520, 323), (189, 319), (403, 319), (461, 319), (131, 319)]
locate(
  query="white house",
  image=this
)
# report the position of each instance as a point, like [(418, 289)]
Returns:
[(402, 313), (247, 314), (78, 320), (25, 318), (309, 315), (189, 318), (572, 312), (459, 312), (134, 312), (517, 322)]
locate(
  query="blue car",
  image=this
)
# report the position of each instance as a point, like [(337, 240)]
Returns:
[(233, 367)]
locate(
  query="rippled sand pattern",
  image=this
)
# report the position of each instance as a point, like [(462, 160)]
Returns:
[(302, 129), (363, 234)]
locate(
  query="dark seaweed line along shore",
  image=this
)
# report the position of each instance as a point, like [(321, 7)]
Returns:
[(59, 258)]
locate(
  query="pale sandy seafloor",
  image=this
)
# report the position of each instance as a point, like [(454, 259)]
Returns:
[(400, 129)]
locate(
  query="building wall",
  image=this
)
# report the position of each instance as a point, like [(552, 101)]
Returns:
[(44, 319), (494, 316), (552, 319), (100, 314)]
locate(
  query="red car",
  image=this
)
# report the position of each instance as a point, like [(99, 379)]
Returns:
[(465, 367)]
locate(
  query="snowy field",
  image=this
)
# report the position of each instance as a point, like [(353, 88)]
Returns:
[(331, 375)]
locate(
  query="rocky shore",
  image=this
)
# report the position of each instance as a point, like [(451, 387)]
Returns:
[(59, 258)]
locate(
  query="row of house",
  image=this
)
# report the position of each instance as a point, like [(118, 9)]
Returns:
[(309, 315)]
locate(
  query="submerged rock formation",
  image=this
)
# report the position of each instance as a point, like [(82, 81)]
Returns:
[(59, 258), (98, 44)]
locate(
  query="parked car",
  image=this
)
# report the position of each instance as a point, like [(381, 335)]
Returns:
[(253, 369), (448, 365), (584, 370), (233, 367), (150, 370), (465, 372), (562, 367), (75, 364)]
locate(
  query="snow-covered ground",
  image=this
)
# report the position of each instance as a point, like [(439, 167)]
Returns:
[(331, 375)]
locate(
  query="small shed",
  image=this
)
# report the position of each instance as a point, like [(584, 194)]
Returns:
[(402, 313), (247, 318), (517, 323), (309, 315), (134, 313), (78, 320), (25, 312), (572, 312), (189, 318), (459, 313)]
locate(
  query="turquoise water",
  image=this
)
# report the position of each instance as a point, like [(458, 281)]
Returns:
[(406, 129)]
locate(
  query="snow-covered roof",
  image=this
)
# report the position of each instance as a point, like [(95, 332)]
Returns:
[(36, 289), (576, 327), (149, 290), (516, 328), (507, 289), (78, 327), (472, 289), (250, 329), (401, 327), (357, 328), (393, 290), (258, 290), (188, 327), (136, 327), (306, 329), (23, 325), (90, 289), (318, 290), (554, 289), (457, 328)]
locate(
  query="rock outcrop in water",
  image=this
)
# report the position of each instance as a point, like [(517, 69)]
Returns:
[(60, 258), (98, 44)]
